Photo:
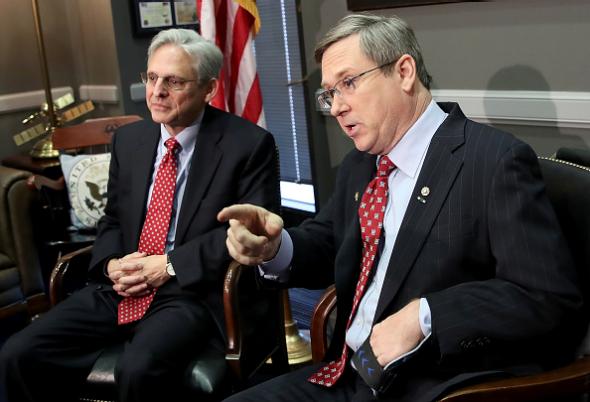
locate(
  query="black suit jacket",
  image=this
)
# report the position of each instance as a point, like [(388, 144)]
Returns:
[(234, 161), (485, 250)]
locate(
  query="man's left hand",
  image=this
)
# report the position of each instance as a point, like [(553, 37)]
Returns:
[(397, 334)]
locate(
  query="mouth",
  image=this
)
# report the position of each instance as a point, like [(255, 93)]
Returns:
[(158, 106), (350, 129)]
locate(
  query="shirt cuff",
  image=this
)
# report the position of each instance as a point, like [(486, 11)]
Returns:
[(425, 326), (278, 268), (424, 317)]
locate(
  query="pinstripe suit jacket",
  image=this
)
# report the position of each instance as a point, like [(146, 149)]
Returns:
[(485, 250)]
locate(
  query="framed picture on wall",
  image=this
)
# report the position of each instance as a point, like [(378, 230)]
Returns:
[(151, 16), (362, 5)]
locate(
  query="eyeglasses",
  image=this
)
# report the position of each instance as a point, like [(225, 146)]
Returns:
[(346, 86), (170, 82)]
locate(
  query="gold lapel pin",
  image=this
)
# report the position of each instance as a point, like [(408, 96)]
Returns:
[(356, 196)]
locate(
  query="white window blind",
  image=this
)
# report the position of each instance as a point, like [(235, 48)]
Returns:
[(279, 64)]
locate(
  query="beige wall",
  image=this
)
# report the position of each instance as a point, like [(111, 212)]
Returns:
[(80, 48), (537, 45)]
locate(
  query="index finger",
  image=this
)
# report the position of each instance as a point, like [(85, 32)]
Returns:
[(130, 266), (240, 212)]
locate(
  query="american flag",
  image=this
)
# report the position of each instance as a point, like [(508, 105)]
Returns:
[(232, 25)]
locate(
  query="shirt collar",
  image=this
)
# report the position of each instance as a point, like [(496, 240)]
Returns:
[(408, 153)]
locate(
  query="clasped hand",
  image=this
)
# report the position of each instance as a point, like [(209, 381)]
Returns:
[(136, 274), (254, 234)]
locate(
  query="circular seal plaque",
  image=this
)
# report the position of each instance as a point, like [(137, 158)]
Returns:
[(87, 186)]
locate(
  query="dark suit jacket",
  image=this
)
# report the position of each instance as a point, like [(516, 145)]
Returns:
[(234, 161), (485, 250)]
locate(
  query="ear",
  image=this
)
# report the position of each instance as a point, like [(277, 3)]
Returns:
[(406, 68), (211, 89)]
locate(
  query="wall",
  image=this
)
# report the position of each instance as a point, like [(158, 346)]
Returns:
[(80, 48), (488, 46), (132, 55)]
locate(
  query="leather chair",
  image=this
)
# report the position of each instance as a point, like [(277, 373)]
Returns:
[(568, 188), (254, 318), (575, 155), (22, 283), (22, 290), (255, 333)]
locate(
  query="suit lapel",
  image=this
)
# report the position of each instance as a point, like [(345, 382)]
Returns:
[(206, 158), (143, 163), (348, 264), (438, 173)]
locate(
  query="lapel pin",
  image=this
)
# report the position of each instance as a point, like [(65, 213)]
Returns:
[(356, 196), (423, 194)]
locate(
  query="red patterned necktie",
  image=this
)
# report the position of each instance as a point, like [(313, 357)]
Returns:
[(371, 212), (152, 240)]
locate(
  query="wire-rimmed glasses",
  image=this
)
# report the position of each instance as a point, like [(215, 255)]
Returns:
[(170, 82), (346, 86)]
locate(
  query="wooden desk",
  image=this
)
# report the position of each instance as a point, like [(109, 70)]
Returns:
[(48, 167)]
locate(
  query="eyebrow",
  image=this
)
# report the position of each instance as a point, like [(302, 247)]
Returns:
[(339, 76)]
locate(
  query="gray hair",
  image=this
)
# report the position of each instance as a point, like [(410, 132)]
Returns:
[(207, 58), (382, 39)]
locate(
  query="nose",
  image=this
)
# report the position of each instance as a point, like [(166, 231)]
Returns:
[(160, 88), (339, 106)]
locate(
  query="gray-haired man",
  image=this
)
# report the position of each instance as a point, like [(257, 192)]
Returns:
[(449, 260), (159, 258)]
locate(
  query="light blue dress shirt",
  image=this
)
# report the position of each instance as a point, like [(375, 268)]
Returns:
[(187, 139)]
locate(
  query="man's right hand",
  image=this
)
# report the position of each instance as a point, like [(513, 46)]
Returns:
[(254, 234)]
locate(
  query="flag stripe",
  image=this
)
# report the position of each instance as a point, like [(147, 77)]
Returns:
[(253, 106), (232, 26), (245, 78), (242, 25)]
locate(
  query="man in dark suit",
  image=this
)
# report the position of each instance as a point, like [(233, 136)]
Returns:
[(448, 260), (159, 245)]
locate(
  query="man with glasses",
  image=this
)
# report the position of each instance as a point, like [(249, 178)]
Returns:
[(446, 255), (159, 260)]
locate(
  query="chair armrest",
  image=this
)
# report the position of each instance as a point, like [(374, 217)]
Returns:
[(573, 379), (319, 324), (254, 323), (230, 296), (70, 272)]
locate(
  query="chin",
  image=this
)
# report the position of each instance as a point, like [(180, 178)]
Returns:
[(159, 118), (361, 146)]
